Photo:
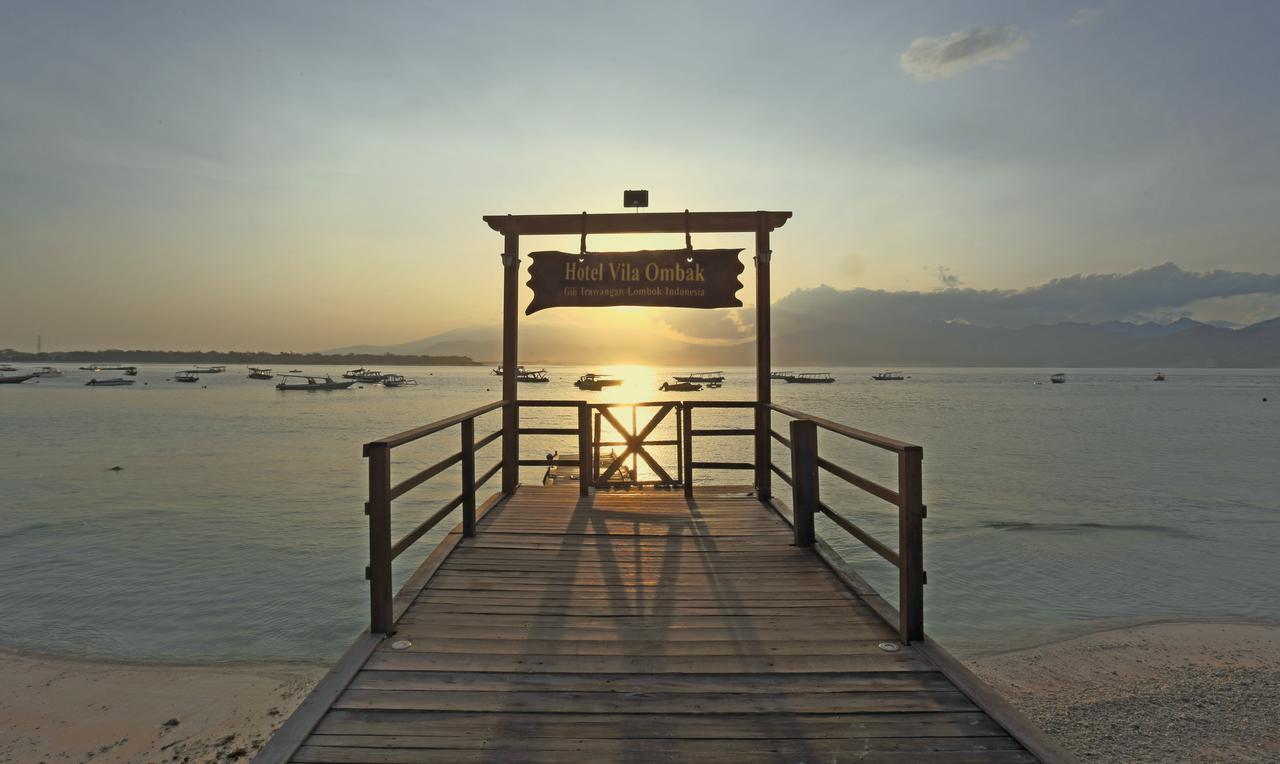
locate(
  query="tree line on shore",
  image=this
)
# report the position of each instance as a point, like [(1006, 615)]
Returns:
[(232, 357)]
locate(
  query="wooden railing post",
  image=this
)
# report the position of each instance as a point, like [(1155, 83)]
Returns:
[(804, 477), (379, 511), (764, 452), (910, 544), (468, 477), (510, 346), (686, 421), (586, 460)]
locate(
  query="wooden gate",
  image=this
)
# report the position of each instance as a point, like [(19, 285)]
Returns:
[(610, 467)]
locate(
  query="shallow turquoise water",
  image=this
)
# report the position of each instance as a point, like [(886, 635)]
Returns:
[(235, 529)]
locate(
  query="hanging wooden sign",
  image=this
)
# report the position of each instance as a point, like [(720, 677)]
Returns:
[(668, 278)]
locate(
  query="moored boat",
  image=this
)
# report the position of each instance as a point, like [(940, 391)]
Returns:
[(369, 377), (526, 375), (1159, 376), (702, 377), (888, 376), (17, 380), (256, 373), (1058, 378), (186, 376), (596, 382), (208, 370), (313, 382), (784, 376), (48, 372), (680, 387), (131, 371), (117, 382), (396, 380), (811, 378), (349, 373)]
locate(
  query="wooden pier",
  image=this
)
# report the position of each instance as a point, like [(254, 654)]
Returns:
[(654, 619)]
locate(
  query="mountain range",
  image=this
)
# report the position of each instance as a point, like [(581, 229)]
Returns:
[(833, 342)]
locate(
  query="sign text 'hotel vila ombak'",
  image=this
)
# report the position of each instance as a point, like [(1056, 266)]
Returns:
[(668, 278)]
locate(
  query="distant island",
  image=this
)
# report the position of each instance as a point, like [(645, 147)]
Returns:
[(10, 355)]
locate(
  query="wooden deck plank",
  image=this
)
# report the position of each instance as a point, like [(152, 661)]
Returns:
[(638, 626)]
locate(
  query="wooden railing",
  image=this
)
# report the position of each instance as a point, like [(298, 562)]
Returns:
[(382, 492), (806, 462), (690, 433)]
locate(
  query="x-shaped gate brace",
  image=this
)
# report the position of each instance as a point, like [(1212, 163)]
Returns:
[(635, 444)]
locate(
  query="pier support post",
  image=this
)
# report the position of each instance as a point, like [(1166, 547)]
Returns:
[(763, 448), (468, 477), (586, 449), (804, 476), (379, 511), (686, 435), (910, 544), (510, 327)]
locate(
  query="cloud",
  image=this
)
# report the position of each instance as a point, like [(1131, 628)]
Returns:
[(712, 326), (938, 58), (1084, 17), (947, 279)]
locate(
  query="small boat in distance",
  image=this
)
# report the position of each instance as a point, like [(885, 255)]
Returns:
[(680, 387), (702, 377), (91, 368), (596, 382), (313, 382), (131, 371), (256, 373), (186, 376), (15, 380), (8, 368), (396, 380), (118, 382), (1159, 376), (369, 377), (292, 371), (208, 370), (811, 378), (48, 372), (784, 376), (349, 374), (525, 375), (1058, 378), (888, 376)]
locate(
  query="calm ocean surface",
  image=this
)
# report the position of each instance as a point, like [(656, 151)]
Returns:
[(235, 529)]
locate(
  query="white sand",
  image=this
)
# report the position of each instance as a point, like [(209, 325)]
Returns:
[(61, 710), (1163, 692)]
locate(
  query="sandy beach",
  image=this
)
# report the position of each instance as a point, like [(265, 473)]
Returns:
[(66, 710), (1161, 692)]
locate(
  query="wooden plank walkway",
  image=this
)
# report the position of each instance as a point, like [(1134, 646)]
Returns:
[(641, 626)]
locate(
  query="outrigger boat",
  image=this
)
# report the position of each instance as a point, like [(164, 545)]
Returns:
[(369, 377), (1058, 378), (702, 377), (349, 374), (313, 382), (186, 376), (784, 376), (888, 376), (256, 373), (48, 372), (395, 380), (131, 371), (679, 387), (118, 382), (811, 378), (525, 375), (596, 382), (15, 380)]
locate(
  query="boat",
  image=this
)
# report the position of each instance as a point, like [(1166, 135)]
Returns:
[(256, 373), (117, 382), (8, 368), (679, 387), (348, 374), (131, 371), (596, 382), (369, 377), (525, 375), (395, 380), (313, 382), (784, 376), (209, 370), (16, 380), (1159, 376), (48, 372), (811, 378), (888, 376), (1058, 378), (702, 377), (294, 371), (91, 368), (186, 376)]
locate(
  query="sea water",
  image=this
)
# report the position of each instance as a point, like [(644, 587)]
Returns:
[(234, 528)]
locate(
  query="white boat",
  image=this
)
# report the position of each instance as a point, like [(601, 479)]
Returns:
[(186, 376), (396, 380), (313, 382), (888, 376), (117, 382), (48, 372)]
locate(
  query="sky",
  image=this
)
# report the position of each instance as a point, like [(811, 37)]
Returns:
[(308, 175)]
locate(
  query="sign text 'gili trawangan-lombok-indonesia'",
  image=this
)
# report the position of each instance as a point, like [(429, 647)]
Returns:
[(669, 278)]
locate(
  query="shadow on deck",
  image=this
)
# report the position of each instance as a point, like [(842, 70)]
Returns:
[(637, 626)]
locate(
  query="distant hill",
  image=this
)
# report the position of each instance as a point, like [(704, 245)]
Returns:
[(813, 340), (234, 357)]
